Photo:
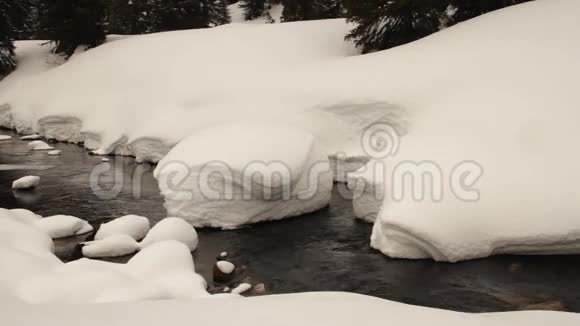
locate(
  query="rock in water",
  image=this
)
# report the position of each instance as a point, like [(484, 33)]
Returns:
[(27, 182), (134, 226), (172, 228), (237, 174), (39, 145), (113, 246), (223, 272)]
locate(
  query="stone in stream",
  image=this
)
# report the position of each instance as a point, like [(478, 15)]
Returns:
[(223, 272)]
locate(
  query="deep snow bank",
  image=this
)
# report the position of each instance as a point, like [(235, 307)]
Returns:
[(495, 144), (236, 174), (117, 101), (316, 309)]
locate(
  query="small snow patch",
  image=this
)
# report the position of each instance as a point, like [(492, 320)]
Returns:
[(134, 226), (172, 228), (54, 152), (5, 137), (39, 145), (226, 267), (26, 182), (113, 246), (224, 254), (31, 137), (241, 288), (104, 159), (62, 226)]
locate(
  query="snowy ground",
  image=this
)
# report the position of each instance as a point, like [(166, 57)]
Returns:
[(469, 94)]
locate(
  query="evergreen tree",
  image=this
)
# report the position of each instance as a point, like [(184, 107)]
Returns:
[(129, 17), (253, 8), (171, 15), (69, 24), (216, 12), (13, 19), (382, 24), (297, 10)]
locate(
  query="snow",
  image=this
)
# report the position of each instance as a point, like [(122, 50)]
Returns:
[(469, 93), (25, 215), (54, 152), (27, 182), (30, 272), (62, 226), (134, 226), (112, 246), (223, 254), (5, 137), (502, 164), (104, 159), (241, 288), (225, 266), (39, 145), (116, 123), (322, 308), (235, 174), (172, 228), (367, 185), (31, 137)]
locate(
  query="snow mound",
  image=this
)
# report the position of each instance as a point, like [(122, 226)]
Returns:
[(489, 152), (236, 174), (134, 226), (172, 228), (241, 288), (112, 246), (27, 182), (225, 266), (39, 145), (62, 226), (31, 137), (117, 123)]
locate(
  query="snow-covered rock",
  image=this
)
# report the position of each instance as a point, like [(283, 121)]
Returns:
[(241, 288), (5, 137), (112, 246), (223, 272), (172, 228), (27, 182), (54, 152), (39, 145), (134, 226), (236, 174), (225, 266), (31, 137), (62, 226)]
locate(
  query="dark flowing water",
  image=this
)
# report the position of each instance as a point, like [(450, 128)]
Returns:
[(325, 251)]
